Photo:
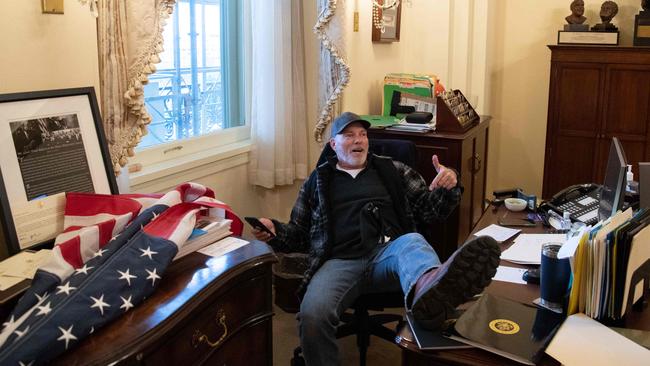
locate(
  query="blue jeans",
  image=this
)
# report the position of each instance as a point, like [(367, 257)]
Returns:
[(336, 285)]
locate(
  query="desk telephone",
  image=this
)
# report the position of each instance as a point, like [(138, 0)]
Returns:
[(581, 201)]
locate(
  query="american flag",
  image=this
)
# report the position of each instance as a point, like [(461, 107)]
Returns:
[(110, 257)]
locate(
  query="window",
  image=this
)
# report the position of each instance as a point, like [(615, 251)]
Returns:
[(197, 91)]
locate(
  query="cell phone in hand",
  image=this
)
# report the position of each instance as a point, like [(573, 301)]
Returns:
[(256, 223)]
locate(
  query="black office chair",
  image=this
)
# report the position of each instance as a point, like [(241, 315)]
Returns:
[(358, 320)]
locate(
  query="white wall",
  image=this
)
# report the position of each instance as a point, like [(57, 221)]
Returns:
[(520, 74), (423, 48), (46, 51)]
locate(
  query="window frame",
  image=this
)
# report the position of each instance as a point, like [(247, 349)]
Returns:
[(234, 84)]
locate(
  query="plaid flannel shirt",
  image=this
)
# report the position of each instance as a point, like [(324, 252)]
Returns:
[(308, 230)]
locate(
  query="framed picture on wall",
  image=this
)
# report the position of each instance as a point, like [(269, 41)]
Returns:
[(386, 19), (52, 142)]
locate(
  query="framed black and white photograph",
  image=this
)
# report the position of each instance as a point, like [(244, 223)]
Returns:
[(52, 143)]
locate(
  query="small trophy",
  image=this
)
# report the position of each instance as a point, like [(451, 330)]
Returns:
[(642, 25), (576, 18)]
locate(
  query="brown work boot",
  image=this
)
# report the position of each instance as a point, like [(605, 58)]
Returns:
[(466, 273)]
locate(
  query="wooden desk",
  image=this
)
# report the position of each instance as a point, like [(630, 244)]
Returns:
[(412, 355), (227, 299)]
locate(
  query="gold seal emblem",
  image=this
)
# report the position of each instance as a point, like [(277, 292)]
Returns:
[(504, 326)]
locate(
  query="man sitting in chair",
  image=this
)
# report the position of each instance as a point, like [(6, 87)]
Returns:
[(356, 216)]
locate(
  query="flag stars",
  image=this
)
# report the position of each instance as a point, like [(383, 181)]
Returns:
[(148, 252), (9, 323), (99, 303), (83, 269), (21, 333), (126, 304), (44, 309), (99, 253), (41, 297), (65, 289), (126, 276), (67, 336), (152, 276), (154, 216)]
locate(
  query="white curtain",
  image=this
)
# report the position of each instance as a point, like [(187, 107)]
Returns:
[(277, 87)]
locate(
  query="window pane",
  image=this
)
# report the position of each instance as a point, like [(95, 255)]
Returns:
[(187, 96)]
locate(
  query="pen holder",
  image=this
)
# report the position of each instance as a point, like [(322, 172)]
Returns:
[(554, 277)]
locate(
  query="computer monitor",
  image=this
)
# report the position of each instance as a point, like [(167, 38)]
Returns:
[(644, 184), (612, 193)]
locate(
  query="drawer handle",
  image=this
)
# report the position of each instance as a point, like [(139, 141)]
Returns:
[(476, 163), (199, 337)]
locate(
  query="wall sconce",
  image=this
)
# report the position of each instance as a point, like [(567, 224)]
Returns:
[(52, 6)]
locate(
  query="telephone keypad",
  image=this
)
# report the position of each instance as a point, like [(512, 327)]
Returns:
[(583, 208)]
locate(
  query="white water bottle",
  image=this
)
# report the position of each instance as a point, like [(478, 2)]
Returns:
[(566, 220)]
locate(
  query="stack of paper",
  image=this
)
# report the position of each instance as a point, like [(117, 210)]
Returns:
[(207, 231), (604, 260), (527, 248), (223, 246), (21, 266), (498, 233), (412, 127)]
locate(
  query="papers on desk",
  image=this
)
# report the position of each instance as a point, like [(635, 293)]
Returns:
[(605, 347), (208, 230), (412, 127), (498, 233), (527, 248), (607, 257), (20, 267), (509, 274), (223, 246)]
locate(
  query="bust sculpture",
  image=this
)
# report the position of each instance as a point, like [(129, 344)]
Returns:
[(577, 10), (608, 11)]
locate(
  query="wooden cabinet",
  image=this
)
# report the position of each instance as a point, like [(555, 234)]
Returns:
[(467, 153), (596, 93), (207, 311)]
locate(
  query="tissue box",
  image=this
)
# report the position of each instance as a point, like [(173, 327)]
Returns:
[(417, 84)]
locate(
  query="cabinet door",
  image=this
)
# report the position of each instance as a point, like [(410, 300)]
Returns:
[(478, 176), (573, 124), (443, 235), (626, 114)]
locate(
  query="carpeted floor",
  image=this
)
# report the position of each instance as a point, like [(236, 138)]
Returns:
[(285, 340)]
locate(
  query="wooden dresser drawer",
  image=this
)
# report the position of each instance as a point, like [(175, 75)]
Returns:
[(243, 304), (252, 346)]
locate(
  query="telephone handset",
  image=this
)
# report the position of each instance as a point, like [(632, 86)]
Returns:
[(571, 193)]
